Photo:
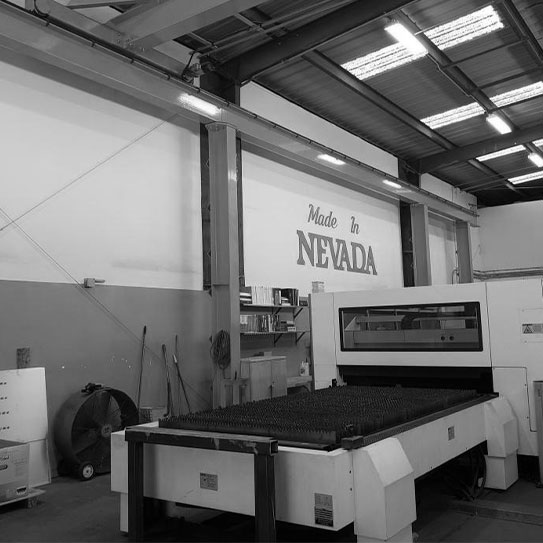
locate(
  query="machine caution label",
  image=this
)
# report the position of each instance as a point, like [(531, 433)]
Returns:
[(324, 510), (209, 481), (533, 328)]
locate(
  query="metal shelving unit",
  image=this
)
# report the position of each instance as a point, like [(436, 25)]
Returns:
[(274, 310)]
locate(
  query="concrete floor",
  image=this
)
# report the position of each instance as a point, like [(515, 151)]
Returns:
[(75, 511)]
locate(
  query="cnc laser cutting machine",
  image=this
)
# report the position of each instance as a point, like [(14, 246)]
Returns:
[(424, 374)]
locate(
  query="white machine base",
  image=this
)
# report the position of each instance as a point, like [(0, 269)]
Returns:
[(501, 473), (373, 486)]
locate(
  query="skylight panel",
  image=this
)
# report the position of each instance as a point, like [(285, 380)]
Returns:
[(516, 95), (454, 115), (465, 28), (527, 177), (380, 61), (461, 30), (502, 152), (472, 110)]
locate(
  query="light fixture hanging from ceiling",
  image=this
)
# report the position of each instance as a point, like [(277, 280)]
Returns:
[(193, 103), (498, 123), (392, 184), (406, 38), (331, 159), (536, 159)]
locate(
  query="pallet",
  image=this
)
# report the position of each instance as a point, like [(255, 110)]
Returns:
[(31, 498)]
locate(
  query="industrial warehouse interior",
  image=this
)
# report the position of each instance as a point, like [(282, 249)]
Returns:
[(271, 270)]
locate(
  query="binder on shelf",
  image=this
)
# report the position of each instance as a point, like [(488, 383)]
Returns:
[(245, 296), (291, 295)]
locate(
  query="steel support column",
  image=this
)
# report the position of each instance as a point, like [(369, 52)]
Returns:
[(463, 252), (224, 253), (421, 245)]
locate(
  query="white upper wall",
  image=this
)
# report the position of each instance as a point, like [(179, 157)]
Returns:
[(442, 241), (286, 245), (511, 236), (103, 190), (452, 194), (284, 113)]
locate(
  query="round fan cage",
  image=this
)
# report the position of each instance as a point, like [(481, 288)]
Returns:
[(83, 429)]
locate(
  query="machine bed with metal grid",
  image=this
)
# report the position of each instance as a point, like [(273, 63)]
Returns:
[(326, 418)]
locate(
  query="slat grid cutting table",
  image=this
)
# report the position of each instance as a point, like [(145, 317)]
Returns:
[(346, 455)]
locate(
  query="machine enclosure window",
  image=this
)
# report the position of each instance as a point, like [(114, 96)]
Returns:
[(416, 327)]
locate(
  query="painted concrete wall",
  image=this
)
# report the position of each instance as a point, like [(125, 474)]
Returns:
[(94, 335), (440, 188), (97, 187), (511, 237), (278, 201), (101, 186), (441, 230)]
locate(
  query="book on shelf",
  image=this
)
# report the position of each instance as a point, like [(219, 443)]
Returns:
[(290, 295), (245, 296), (259, 295), (258, 323)]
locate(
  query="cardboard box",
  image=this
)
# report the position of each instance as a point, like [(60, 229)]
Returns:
[(13, 470)]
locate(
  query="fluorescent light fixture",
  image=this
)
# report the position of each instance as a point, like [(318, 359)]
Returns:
[(526, 178), (517, 95), (198, 105), (454, 115), (469, 27), (502, 152), (405, 38), (499, 124), (536, 159), (392, 183), (331, 159), (538, 143)]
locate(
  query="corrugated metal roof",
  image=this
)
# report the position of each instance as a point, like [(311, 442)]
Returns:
[(512, 61), (495, 63), (351, 111)]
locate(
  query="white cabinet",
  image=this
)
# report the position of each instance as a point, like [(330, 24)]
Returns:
[(265, 377)]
